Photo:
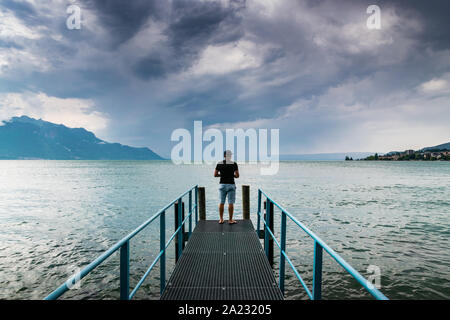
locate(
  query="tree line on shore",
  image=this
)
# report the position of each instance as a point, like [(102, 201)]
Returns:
[(409, 155)]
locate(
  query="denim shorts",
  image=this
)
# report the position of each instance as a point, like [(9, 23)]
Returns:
[(227, 189)]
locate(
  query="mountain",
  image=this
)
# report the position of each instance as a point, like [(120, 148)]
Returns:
[(28, 138), (444, 146), (441, 147), (325, 156)]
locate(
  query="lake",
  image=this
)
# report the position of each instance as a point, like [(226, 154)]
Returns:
[(57, 216)]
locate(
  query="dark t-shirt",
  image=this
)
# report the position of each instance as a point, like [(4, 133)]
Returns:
[(226, 171)]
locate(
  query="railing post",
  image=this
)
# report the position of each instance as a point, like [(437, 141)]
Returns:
[(162, 247), (177, 224), (183, 227), (258, 225), (317, 280), (263, 231), (283, 248), (196, 204), (246, 202), (272, 229), (175, 219), (125, 271), (202, 203), (180, 232), (266, 233), (190, 214)]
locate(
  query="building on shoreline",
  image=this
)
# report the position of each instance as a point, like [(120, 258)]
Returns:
[(411, 155)]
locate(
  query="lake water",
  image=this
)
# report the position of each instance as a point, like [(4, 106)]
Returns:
[(57, 216)]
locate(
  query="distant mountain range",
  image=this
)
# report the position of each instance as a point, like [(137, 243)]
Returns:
[(444, 146), (28, 138)]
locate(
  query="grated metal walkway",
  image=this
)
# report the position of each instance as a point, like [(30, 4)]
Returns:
[(223, 262)]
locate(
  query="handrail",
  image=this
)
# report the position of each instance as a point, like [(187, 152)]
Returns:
[(319, 244), (138, 285), (123, 245)]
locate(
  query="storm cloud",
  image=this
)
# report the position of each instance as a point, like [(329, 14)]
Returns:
[(310, 68)]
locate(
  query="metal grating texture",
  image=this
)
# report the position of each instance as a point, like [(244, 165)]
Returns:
[(223, 262)]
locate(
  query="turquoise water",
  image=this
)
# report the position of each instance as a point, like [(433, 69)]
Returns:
[(57, 216)]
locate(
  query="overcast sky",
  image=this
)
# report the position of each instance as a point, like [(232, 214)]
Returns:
[(137, 70)]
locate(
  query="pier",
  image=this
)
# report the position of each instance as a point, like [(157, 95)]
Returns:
[(221, 261)]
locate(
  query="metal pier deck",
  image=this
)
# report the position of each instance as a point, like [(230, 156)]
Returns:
[(223, 262), (220, 262)]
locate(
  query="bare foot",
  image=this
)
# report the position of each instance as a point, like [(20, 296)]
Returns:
[(221, 221), (232, 221)]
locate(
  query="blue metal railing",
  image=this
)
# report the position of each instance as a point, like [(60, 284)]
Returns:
[(124, 246), (319, 246)]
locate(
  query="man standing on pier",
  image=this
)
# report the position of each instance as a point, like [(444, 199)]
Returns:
[(227, 170)]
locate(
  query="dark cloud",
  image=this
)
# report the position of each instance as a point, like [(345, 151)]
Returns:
[(310, 54), (195, 24), (435, 16), (153, 66), (124, 19), (191, 26)]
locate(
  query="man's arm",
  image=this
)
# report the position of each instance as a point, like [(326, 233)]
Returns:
[(236, 174), (217, 172)]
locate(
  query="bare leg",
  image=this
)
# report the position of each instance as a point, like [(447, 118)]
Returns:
[(221, 208), (230, 213)]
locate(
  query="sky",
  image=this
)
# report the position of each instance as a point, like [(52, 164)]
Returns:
[(137, 70)]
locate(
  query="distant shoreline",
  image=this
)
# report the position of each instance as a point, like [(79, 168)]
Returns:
[(411, 155), (192, 164)]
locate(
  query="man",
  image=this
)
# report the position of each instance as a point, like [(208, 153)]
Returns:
[(227, 170)]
